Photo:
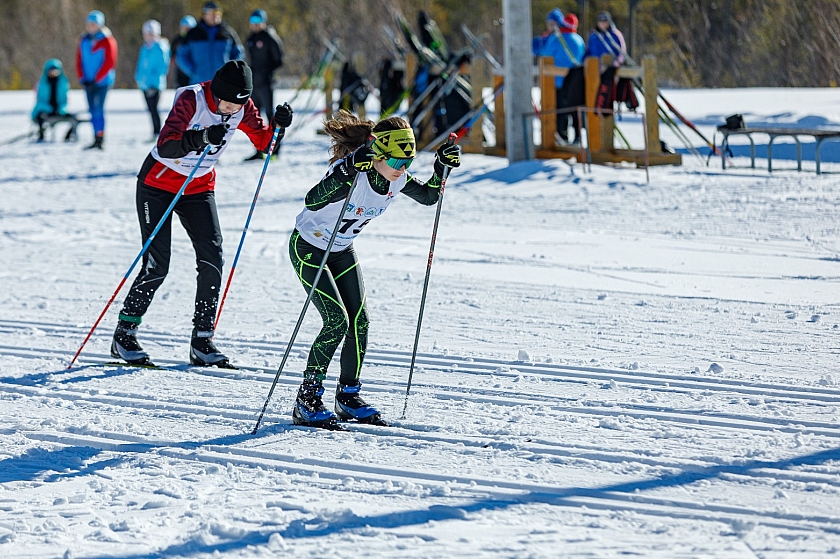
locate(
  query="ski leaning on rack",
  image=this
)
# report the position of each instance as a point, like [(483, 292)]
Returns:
[(478, 48), (466, 122)]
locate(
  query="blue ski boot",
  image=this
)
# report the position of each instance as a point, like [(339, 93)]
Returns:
[(309, 408), (349, 405)]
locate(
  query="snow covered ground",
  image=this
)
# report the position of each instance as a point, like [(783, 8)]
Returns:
[(606, 368)]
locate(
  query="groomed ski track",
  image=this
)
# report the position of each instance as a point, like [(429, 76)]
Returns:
[(63, 387), (607, 368)]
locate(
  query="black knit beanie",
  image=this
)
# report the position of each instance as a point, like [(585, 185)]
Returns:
[(233, 82)]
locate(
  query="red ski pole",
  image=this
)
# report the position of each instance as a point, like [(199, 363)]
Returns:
[(142, 252)]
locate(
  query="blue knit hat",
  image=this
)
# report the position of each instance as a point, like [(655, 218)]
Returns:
[(556, 16), (188, 21), (259, 16), (96, 17)]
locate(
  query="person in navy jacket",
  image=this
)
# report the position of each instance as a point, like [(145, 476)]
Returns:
[(152, 65), (96, 59), (176, 75), (205, 114), (208, 46), (607, 39)]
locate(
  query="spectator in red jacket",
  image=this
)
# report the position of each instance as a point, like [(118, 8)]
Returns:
[(96, 58)]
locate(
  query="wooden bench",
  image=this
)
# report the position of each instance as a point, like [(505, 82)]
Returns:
[(819, 135)]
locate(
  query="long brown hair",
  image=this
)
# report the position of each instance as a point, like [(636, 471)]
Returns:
[(348, 131)]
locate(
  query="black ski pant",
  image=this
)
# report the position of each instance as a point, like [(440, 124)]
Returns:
[(340, 299), (564, 118), (263, 97), (152, 97), (197, 213)]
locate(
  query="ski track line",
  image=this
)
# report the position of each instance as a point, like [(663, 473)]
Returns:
[(415, 434), (661, 382), (682, 418), (508, 492), (636, 411)]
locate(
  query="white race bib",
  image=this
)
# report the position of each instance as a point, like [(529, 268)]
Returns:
[(202, 119), (365, 204)]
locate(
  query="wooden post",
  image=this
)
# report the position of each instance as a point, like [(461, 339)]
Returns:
[(360, 64), (548, 97), (479, 79), (583, 7), (410, 70), (651, 102), (328, 91), (592, 80), (499, 113), (607, 119)]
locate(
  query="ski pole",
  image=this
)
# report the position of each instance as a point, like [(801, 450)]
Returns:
[(142, 252), (446, 171), (311, 292), (274, 140), (673, 109)]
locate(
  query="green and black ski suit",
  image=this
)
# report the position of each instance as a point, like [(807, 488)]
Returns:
[(340, 295)]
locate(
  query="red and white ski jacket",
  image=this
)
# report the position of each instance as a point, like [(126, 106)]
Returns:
[(179, 145)]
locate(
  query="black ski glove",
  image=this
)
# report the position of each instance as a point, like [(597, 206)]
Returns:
[(362, 159), (215, 135), (449, 155), (283, 115)]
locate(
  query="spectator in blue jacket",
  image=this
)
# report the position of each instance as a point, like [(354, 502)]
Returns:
[(607, 39), (152, 65), (176, 75), (51, 99), (208, 46), (96, 59), (561, 42)]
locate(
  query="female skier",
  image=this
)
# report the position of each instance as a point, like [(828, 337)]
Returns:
[(340, 294)]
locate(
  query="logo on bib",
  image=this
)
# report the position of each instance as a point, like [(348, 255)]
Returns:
[(360, 210)]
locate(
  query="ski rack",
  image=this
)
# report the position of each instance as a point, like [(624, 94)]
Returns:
[(599, 123)]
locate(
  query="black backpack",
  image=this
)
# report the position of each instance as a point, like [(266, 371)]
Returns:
[(735, 122)]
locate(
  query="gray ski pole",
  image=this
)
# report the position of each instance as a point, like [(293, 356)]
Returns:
[(310, 294), (446, 171)]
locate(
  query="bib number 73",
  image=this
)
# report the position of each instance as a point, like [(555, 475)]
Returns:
[(348, 223)]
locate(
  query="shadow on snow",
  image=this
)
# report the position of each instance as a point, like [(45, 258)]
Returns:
[(72, 462)]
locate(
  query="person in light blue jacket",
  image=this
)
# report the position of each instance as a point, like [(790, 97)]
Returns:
[(567, 48), (152, 66), (51, 99)]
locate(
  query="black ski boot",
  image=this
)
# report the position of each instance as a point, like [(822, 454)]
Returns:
[(126, 347), (203, 352), (349, 405), (98, 143), (259, 156), (309, 408)]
